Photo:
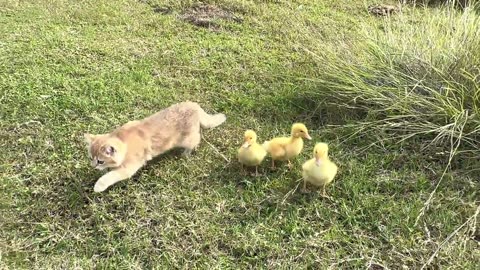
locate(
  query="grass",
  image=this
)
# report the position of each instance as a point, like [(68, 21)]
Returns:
[(68, 68), (414, 75)]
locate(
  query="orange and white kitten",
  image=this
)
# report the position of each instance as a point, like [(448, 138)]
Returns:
[(129, 147)]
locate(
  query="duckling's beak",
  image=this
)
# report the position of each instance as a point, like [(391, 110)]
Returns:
[(307, 136), (246, 144), (318, 161)]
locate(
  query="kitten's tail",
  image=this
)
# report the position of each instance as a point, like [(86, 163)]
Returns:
[(211, 120)]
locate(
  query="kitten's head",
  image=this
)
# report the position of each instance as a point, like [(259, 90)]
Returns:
[(105, 151)]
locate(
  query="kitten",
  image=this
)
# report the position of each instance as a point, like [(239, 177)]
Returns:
[(129, 147)]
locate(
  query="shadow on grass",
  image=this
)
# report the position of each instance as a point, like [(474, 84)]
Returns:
[(278, 187)]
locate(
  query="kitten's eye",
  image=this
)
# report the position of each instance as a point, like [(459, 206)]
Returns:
[(100, 162)]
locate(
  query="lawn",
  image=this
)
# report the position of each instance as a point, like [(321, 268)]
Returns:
[(71, 67)]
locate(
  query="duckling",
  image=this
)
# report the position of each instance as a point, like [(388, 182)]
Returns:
[(251, 153), (286, 148), (319, 170)]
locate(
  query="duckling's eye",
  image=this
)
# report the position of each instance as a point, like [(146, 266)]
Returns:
[(100, 162), (301, 131)]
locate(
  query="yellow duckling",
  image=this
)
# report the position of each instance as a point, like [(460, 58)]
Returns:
[(251, 153), (286, 148), (319, 170)]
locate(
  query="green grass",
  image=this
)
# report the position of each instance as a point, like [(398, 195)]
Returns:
[(416, 73), (67, 68)]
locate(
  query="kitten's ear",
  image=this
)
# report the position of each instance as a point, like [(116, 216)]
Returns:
[(109, 150), (89, 138)]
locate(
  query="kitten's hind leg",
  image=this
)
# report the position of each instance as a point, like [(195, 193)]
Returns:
[(191, 142), (115, 176)]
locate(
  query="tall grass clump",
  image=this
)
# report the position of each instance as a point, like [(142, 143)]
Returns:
[(414, 75), (453, 3)]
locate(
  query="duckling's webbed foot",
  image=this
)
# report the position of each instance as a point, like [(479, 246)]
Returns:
[(304, 188), (242, 168), (324, 194), (290, 165)]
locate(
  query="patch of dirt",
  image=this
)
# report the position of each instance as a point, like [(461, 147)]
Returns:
[(206, 15), (375, 266), (162, 10), (383, 10)]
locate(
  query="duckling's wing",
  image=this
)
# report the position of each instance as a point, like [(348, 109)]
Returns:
[(306, 165), (334, 169), (259, 150), (331, 171), (277, 150)]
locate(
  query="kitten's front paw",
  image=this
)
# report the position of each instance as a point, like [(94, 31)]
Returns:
[(99, 186), (187, 152)]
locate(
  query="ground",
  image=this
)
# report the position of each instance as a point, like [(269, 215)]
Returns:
[(70, 67)]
